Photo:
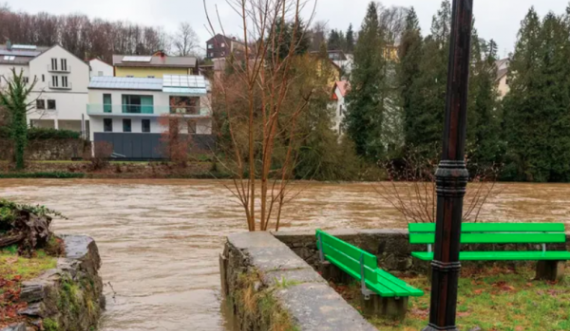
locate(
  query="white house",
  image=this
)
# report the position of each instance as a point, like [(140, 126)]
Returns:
[(60, 92), (125, 112), (99, 68), (338, 103)]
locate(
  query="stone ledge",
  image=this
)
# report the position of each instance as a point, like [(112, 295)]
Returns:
[(299, 290), (70, 296)]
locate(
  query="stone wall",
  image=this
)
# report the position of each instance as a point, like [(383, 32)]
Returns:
[(391, 246), (267, 285), (47, 149), (68, 298)]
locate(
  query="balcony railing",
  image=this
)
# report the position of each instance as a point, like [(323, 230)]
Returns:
[(58, 69), (126, 109)]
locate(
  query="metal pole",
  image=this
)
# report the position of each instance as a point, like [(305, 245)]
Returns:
[(451, 175)]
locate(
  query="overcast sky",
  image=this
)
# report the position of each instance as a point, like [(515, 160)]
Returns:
[(497, 19)]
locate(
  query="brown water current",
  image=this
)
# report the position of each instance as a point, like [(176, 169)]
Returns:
[(160, 239)]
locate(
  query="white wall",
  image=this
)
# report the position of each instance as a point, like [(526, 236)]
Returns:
[(70, 103), (339, 116), (100, 68), (6, 72)]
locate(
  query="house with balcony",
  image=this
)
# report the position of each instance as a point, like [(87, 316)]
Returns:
[(153, 66), (131, 114), (60, 93)]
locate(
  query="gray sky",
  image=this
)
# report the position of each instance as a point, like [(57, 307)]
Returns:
[(497, 19)]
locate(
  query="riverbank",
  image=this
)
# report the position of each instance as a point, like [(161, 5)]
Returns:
[(114, 170)]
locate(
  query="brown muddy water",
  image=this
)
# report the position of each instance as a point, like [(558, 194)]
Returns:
[(160, 239)]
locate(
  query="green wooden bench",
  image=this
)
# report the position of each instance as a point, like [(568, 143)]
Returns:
[(388, 293), (502, 233)]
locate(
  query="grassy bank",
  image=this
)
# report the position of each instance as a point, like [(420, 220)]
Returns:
[(494, 300), (60, 175)]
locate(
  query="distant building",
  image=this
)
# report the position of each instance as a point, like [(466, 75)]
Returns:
[(153, 66), (338, 103), (100, 68), (503, 77), (221, 46), (125, 112), (60, 93)]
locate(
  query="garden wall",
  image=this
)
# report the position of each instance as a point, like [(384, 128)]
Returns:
[(269, 287), (69, 297), (47, 149), (391, 246)]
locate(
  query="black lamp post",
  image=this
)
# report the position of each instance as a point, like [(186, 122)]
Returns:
[(452, 174)]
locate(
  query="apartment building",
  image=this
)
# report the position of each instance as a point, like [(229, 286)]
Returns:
[(126, 112), (221, 46), (60, 93), (153, 66)]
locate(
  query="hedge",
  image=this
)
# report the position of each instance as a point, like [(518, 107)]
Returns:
[(43, 133)]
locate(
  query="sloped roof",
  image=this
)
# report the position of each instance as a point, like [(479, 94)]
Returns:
[(21, 56), (157, 61), (343, 86)]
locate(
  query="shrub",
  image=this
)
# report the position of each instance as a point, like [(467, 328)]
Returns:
[(59, 175), (102, 153), (42, 133)]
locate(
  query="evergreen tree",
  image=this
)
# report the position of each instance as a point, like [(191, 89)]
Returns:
[(525, 125), (410, 54), (350, 39), (302, 41), (334, 41), (425, 125), (484, 145), (365, 99)]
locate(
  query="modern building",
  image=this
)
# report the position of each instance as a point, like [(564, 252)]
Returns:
[(221, 46), (131, 114), (60, 92), (338, 104), (503, 77), (153, 66), (100, 68)]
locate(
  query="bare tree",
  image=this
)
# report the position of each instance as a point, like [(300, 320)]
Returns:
[(262, 104), (186, 40)]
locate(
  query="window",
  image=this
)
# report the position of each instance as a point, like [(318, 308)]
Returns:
[(108, 125), (26, 80), (107, 103), (210, 54), (63, 64), (507, 81), (126, 125), (51, 104), (130, 76), (150, 76), (210, 46), (223, 53), (54, 64), (145, 126), (43, 78), (223, 45), (64, 81), (100, 73), (54, 81), (40, 104), (9, 58), (138, 104)]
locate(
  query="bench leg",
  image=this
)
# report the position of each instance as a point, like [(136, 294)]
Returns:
[(332, 273), (549, 270), (377, 306)]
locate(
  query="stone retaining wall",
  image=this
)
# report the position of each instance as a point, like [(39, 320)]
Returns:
[(67, 298), (47, 149), (391, 246), (267, 285)]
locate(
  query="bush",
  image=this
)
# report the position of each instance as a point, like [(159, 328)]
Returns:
[(42, 133)]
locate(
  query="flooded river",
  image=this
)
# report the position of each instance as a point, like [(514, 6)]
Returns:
[(159, 239)]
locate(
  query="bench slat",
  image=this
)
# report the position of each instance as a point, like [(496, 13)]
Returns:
[(349, 262), (495, 238), (348, 249), (400, 287), (502, 256), (493, 227)]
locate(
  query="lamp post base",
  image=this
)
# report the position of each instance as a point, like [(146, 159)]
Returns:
[(436, 328)]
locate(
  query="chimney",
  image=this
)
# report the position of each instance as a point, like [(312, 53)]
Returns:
[(9, 45)]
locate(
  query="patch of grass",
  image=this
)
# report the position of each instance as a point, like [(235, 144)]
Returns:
[(493, 299), (59, 175), (13, 266), (285, 283), (50, 325)]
